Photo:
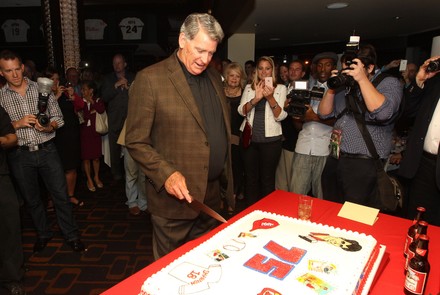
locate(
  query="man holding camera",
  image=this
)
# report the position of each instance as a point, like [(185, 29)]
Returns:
[(352, 169), (36, 154), (421, 162), (283, 175), (311, 149)]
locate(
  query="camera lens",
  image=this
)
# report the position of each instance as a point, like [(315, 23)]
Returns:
[(433, 66), (43, 119), (336, 81)]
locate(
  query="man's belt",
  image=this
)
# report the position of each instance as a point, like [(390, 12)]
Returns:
[(354, 156), (34, 148)]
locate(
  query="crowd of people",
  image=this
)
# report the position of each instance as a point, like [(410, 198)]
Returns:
[(175, 135)]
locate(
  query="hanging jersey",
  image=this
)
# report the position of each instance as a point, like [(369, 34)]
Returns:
[(94, 29), (15, 30), (131, 28)]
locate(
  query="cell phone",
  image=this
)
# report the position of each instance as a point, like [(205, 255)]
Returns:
[(268, 81), (402, 66)]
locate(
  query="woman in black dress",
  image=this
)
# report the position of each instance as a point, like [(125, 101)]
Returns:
[(67, 138), (234, 83)]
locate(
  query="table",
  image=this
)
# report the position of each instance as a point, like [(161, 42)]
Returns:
[(388, 230)]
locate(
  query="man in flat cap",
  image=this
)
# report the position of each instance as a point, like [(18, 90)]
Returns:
[(311, 149)]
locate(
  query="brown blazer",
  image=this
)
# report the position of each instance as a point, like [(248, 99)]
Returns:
[(165, 133)]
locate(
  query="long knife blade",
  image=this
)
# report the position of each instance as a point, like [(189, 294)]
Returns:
[(198, 206)]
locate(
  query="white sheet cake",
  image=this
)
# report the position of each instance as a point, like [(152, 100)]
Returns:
[(266, 253)]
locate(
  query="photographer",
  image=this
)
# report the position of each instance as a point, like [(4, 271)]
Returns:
[(378, 104), (311, 149), (420, 163), (36, 154)]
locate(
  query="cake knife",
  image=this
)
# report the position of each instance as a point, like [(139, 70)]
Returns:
[(198, 206)]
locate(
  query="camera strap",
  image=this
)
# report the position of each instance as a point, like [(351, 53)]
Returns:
[(354, 105)]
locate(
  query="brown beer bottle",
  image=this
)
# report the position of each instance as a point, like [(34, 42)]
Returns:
[(412, 229), (422, 229), (418, 268)]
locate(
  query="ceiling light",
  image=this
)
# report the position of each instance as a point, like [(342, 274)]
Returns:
[(275, 39), (337, 5)]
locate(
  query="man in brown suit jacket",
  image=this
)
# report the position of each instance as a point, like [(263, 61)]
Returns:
[(178, 129)]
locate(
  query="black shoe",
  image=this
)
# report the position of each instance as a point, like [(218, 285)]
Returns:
[(40, 244), (15, 288), (77, 245)]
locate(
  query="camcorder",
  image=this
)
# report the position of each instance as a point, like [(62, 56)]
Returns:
[(300, 97), (350, 53), (44, 90)]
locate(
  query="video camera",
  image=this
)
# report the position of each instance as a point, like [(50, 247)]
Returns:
[(300, 97), (44, 89), (350, 53)]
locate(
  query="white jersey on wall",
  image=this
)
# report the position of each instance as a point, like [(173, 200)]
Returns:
[(131, 28), (15, 30), (94, 29)]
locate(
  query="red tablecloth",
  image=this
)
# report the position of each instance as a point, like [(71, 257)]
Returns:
[(388, 230)]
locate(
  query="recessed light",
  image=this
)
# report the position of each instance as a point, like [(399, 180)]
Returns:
[(337, 5)]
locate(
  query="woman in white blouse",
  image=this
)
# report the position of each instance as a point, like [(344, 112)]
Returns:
[(262, 103)]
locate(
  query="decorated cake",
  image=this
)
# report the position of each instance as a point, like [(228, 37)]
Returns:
[(265, 253)]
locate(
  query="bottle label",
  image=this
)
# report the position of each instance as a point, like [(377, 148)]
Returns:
[(415, 281)]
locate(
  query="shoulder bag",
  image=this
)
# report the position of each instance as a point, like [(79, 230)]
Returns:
[(246, 136), (389, 190), (101, 123)]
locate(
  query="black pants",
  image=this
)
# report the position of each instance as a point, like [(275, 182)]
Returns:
[(169, 234), (11, 251), (349, 179), (424, 192), (116, 162), (237, 168), (260, 164)]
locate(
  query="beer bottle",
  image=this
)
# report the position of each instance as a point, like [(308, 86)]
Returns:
[(418, 268), (422, 229), (412, 230)]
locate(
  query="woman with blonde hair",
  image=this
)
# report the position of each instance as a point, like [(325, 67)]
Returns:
[(234, 82), (262, 104)]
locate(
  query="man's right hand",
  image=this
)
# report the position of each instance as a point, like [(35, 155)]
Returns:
[(122, 82), (422, 75), (176, 185), (26, 121)]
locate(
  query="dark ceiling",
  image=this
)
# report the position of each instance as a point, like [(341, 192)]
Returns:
[(285, 23)]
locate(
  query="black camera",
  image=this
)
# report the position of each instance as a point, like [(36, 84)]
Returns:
[(300, 98), (350, 53), (340, 80), (433, 66), (44, 89)]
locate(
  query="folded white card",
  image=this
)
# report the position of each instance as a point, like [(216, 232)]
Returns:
[(359, 213)]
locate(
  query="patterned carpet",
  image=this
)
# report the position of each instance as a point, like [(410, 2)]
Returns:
[(118, 245)]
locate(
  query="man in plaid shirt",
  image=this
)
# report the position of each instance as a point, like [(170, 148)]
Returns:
[(36, 153)]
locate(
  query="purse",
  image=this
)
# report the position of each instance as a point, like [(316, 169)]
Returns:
[(389, 190), (246, 136), (101, 123)]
